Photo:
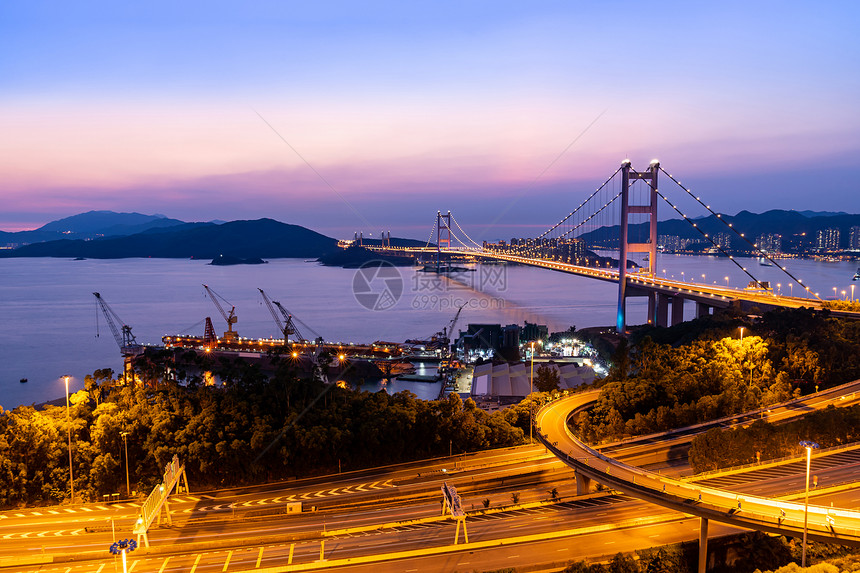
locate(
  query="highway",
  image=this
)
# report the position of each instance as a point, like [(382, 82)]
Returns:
[(352, 508), (755, 512)]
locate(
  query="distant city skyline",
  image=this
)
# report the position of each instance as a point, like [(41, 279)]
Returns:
[(343, 117)]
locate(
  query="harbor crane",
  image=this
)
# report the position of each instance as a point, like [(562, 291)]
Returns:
[(448, 331), (231, 335), (287, 325), (441, 340), (128, 346)]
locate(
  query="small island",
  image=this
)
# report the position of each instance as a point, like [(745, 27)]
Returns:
[(354, 256), (224, 260)]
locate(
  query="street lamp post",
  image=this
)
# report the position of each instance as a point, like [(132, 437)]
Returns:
[(852, 293), (791, 286), (531, 390), (808, 445), (742, 333), (69, 428), (703, 278), (727, 282), (778, 289), (127, 482)]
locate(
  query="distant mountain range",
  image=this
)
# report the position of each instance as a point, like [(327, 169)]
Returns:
[(90, 225), (108, 235)]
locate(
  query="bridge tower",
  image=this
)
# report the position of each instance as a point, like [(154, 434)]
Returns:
[(443, 234), (629, 176)]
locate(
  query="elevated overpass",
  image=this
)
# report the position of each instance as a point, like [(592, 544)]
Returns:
[(825, 524)]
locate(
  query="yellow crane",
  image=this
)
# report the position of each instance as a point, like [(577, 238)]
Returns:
[(231, 335)]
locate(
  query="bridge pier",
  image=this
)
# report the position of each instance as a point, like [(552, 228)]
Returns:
[(662, 310), (703, 545), (583, 484), (677, 310), (702, 310)]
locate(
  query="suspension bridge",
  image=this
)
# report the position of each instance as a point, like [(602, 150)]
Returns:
[(621, 216)]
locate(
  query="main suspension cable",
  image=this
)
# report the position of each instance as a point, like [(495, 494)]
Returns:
[(554, 227), (739, 234)]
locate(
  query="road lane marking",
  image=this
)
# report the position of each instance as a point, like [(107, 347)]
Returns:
[(163, 565), (259, 558), (227, 561), (99, 570), (196, 561), (133, 565)]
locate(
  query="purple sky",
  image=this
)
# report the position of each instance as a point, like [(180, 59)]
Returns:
[(356, 116)]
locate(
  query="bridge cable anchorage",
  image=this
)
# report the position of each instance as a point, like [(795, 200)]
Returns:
[(554, 227), (753, 245)]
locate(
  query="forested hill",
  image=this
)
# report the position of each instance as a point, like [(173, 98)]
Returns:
[(261, 238)]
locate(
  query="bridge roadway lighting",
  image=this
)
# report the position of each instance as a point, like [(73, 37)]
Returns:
[(69, 428), (808, 445)]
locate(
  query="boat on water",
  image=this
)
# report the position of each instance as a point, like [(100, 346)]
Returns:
[(857, 275), (764, 262)]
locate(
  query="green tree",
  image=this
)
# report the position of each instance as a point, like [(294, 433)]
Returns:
[(621, 563), (547, 378)]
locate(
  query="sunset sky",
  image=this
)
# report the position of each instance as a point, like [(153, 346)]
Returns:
[(344, 116)]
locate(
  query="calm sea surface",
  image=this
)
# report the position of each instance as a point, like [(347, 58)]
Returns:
[(50, 318)]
